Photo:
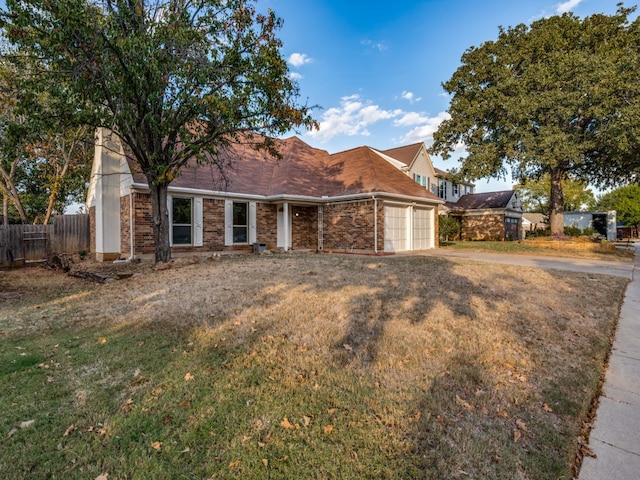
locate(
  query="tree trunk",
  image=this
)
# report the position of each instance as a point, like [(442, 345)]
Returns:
[(160, 219), (5, 210), (556, 203)]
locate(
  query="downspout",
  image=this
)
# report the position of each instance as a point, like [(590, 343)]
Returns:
[(131, 226), (375, 224)]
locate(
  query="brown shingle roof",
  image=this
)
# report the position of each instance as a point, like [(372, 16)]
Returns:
[(406, 154), (485, 200), (362, 170), (302, 171)]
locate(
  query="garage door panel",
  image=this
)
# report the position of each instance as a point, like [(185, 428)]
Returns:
[(421, 229), (395, 228)]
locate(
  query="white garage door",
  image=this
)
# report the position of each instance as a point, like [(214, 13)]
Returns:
[(395, 228), (421, 228)]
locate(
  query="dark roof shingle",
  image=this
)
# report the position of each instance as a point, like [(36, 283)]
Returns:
[(302, 171), (485, 200)]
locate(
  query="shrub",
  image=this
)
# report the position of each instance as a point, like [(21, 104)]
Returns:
[(572, 231), (448, 227), (540, 232)]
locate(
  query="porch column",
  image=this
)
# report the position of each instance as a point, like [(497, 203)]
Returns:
[(285, 227)]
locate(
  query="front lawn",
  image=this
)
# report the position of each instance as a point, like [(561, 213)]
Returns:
[(301, 366), (532, 247)]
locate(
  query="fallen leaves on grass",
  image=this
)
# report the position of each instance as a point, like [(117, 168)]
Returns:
[(27, 424), (188, 377), (328, 429), (465, 404), (517, 435), (288, 425), (157, 446)]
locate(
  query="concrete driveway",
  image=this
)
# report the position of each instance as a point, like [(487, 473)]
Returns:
[(586, 265)]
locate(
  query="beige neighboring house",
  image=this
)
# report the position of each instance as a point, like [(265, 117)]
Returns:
[(414, 161), (482, 216)]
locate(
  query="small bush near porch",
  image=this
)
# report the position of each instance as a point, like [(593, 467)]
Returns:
[(301, 366)]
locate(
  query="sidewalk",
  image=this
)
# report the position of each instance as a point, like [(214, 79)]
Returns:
[(615, 437)]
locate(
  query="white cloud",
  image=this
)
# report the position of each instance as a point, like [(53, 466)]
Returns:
[(411, 118), (567, 6), (295, 76), (410, 97), (426, 127), (299, 59), (381, 47), (352, 117)]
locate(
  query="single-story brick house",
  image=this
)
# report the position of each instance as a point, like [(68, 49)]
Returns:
[(488, 216), (353, 201)]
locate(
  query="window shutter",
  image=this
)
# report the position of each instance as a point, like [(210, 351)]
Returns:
[(228, 222), (252, 222), (170, 210), (197, 221)]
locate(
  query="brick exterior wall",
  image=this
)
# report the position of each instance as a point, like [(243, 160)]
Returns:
[(350, 226), (212, 226), (304, 227), (346, 226), (142, 224), (483, 227), (267, 225)]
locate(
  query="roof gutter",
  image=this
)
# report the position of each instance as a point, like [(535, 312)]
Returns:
[(375, 223), (294, 198)]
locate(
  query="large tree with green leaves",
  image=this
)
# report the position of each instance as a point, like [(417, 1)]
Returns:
[(625, 201), (535, 195), (45, 158), (559, 98), (173, 78)]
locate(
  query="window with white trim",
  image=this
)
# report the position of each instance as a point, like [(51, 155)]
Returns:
[(240, 222), (181, 221), (455, 190), (442, 189)]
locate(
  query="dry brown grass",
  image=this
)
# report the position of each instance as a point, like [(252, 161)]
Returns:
[(461, 369)]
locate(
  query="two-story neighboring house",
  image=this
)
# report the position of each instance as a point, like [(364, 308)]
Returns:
[(451, 191), (486, 216), (414, 161)]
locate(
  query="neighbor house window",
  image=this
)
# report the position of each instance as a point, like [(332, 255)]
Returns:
[(417, 178), (442, 189), (182, 220), (424, 181), (455, 190), (240, 222)]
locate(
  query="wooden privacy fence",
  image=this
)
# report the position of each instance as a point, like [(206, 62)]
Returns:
[(33, 243)]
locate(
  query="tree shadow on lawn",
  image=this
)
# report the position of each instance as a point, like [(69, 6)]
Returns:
[(430, 363)]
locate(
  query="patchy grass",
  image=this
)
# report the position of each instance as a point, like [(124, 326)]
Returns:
[(309, 366), (530, 247)]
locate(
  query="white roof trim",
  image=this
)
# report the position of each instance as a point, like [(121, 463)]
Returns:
[(396, 163), (285, 197)]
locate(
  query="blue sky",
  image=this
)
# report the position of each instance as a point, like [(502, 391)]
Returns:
[(376, 67)]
